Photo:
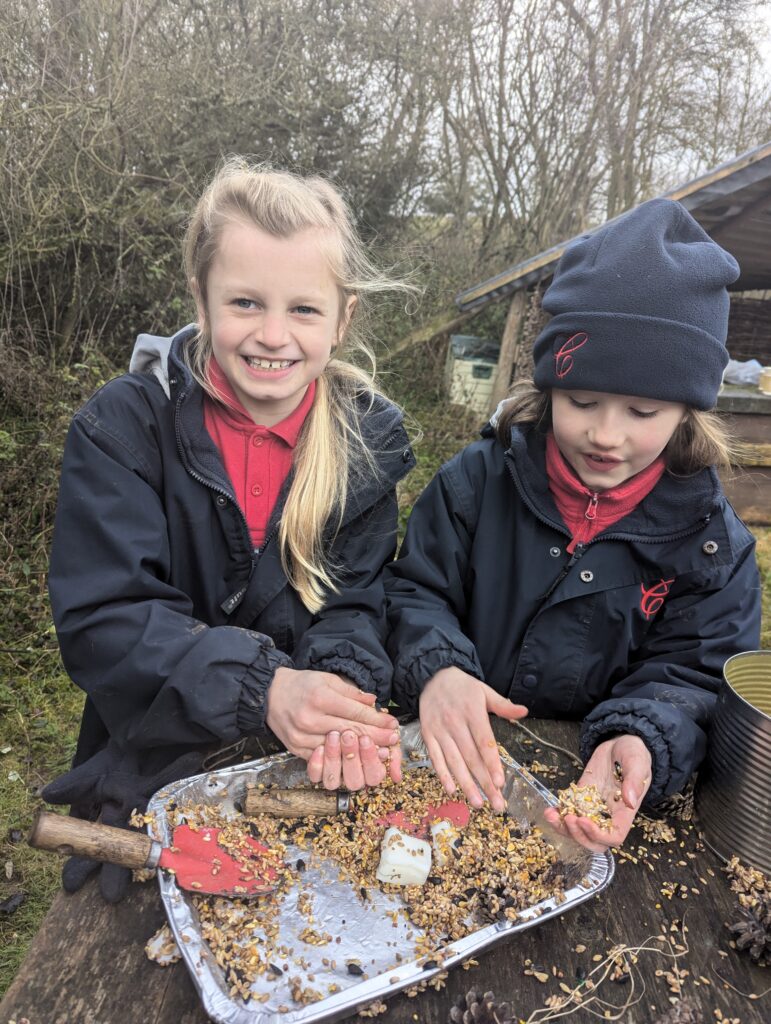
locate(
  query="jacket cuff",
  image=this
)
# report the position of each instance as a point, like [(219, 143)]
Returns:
[(351, 669), (355, 663), (410, 681), (616, 723), (250, 713)]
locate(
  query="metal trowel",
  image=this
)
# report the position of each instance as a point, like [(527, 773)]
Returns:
[(196, 858)]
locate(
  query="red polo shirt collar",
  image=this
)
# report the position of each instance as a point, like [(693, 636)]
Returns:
[(257, 458)]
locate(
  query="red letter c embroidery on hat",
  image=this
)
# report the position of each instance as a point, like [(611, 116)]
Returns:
[(564, 355), (653, 598)]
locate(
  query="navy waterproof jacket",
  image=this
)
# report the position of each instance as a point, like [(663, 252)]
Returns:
[(630, 633), (165, 615)]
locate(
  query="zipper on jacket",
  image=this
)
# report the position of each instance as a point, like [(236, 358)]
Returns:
[(268, 538), (591, 508), (579, 550), (197, 476), (217, 490), (232, 602)]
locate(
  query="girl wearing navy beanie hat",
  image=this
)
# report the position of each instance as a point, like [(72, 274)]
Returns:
[(581, 560)]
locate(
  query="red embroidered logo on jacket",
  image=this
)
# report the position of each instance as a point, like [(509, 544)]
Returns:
[(563, 357), (653, 597)]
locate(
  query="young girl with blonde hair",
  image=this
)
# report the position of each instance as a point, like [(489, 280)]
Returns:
[(582, 561), (225, 512)]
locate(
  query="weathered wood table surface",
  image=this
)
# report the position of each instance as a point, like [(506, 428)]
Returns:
[(87, 963)]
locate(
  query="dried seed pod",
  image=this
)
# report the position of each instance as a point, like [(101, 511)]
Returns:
[(480, 1008), (752, 935), (753, 929), (684, 1011)]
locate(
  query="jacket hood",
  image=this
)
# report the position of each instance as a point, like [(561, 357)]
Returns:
[(151, 354)]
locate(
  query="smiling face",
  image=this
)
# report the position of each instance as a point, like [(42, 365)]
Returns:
[(273, 312), (607, 439)]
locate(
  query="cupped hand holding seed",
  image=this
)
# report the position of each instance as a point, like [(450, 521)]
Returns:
[(620, 768), (454, 720), (303, 707)]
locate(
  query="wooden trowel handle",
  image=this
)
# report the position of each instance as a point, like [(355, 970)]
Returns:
[(295, 803), (68, 836)]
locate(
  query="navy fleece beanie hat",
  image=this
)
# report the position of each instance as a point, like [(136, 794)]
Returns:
[(640, 307)]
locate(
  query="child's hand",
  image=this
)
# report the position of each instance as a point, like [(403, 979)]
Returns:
[(353, 761), (304, 706), (454, 709), (622, 787)]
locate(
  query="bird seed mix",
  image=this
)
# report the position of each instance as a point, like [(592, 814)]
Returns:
[(496, 869)]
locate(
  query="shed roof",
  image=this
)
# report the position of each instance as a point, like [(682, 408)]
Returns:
[(732, 203)]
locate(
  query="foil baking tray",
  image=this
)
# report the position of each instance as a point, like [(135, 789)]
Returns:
[(367, 934)]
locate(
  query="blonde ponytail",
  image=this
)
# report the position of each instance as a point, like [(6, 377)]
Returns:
[(317, 494)]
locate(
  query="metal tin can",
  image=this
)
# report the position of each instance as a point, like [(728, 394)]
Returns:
[(733, 793)]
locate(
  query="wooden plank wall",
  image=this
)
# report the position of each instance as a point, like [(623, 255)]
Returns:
[(748, 486)]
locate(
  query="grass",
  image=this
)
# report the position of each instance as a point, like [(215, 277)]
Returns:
[(40, 715), (40, 709)]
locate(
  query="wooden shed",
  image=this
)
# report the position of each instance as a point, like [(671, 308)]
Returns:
[(732, 203)]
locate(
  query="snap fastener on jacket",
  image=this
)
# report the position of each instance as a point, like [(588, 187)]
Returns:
[(222, 500), (587, 575), (406, 455), (709, 547), (529, 681), (555, 552)]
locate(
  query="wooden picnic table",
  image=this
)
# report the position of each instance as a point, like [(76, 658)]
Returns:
[(87, 963)]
